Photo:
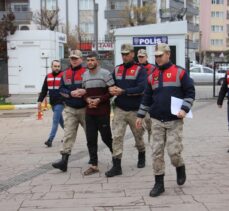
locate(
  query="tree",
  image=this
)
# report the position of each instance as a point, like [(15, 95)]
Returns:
[(7, 26), (134, 15), (49, 19)]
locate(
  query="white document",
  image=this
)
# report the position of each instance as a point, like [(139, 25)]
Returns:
[(176, 104)]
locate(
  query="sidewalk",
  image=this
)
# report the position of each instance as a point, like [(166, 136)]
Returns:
[(28, 182)]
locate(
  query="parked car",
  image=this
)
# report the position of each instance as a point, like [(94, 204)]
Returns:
[(204, 75)]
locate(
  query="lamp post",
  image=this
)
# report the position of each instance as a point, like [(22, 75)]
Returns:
[(67, 19), (96, 8), (200, 46)]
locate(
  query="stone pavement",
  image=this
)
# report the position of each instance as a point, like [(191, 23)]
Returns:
[(28, 182)]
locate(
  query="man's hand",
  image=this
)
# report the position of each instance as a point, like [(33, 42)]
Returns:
[(181, 114), (115, 90), (138, 123), (93, 103), (78, 93)]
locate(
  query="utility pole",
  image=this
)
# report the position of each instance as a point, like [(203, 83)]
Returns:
[(187, 59), (200, 50), (185, 6), (67, 20), (78, 28), (96, 8)]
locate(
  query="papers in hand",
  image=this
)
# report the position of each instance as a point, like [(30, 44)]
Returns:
[(176, 104)]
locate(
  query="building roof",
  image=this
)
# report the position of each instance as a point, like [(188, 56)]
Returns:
[(170, 28)]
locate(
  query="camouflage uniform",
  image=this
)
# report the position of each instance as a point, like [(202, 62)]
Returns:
[(147, 125), (166, 134), (121, 120), (72, 117)]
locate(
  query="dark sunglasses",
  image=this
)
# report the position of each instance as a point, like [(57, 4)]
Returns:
[(141, 57), (159, 56), (125, 54), (56, 65)]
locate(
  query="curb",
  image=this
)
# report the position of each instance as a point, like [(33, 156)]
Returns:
[(23, 106)]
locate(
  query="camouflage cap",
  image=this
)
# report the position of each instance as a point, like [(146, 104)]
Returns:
[(75, 54), (161, 48), (127, 48), (142, 52)]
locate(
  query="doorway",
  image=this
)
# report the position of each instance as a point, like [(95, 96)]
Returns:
[(29, 67)]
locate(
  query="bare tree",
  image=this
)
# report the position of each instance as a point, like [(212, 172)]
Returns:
[(48, 19), (134, 15)]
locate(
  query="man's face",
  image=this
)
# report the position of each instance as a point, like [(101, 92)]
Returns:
[(162, 59), (142, 59), (92, 63), (75, 61), (127, 57), (55, 66)]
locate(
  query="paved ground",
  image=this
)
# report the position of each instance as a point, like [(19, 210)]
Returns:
[(28, 182)]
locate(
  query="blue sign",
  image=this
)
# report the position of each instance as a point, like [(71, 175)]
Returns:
[(149, 40)]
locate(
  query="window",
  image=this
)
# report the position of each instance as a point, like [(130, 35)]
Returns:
[(217, 28), (217, 14), (61, 52), (121, 5), (49, 4), (112, 6), (163, 4), (87, 27), (86, 4), (207, 70), (195, 70), (19, 7), (217, 42), (217, 1)]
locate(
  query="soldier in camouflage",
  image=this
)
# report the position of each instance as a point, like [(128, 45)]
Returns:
[(167, 80)]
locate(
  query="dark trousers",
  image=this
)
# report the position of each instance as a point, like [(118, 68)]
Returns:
[(93, 125), (228, 114)]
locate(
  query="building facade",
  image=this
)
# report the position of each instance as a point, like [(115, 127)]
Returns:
[(214, 26), (118, 12), (166, 11), (176, 10), (20, 8)]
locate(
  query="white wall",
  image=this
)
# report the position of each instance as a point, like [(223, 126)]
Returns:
[(175, 31), (27, 63)]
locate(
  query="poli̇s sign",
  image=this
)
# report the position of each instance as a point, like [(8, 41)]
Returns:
[(149, 40)]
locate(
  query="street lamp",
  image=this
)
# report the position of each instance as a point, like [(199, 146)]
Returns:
[(96, 8)]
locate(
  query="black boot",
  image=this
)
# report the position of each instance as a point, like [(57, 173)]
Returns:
[(116, 168), (158, 186), (141, 160), (181, 175), (48, 143), (62, 164)]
